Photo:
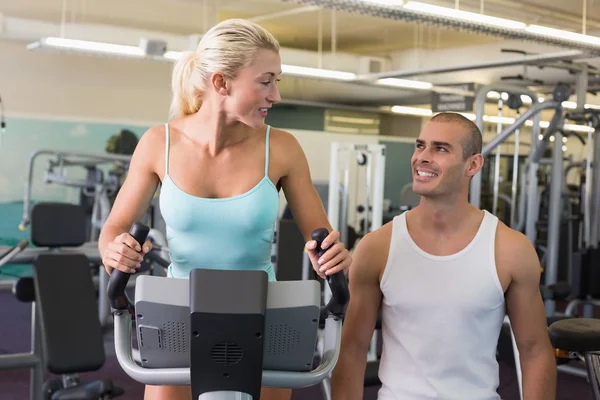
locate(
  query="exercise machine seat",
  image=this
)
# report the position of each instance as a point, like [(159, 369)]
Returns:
[(372, 374), (576, 335), (89, 391), (558, 291)]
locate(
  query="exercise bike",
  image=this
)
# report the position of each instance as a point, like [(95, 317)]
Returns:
[(227, 333)]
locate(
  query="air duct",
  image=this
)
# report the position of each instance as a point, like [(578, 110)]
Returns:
[(498, 27)]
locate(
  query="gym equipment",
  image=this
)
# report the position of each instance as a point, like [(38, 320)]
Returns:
[(226, 333), (529, 200), (372, 157), (579, 338), (61, 281), (93, 186)]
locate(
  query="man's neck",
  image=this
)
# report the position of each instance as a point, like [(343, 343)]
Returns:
[(443, 215)]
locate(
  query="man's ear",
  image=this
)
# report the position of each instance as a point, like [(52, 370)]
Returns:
[(219, 83), (474, 164)]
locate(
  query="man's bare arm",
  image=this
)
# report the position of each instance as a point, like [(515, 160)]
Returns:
[(525, 309), (368, 261)]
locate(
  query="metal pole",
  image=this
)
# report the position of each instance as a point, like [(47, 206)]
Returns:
[(515, 179), (587, 202), (368, 175), (554, 217), (378, 187), (480, 99), (333, 212), (532, 210), (343, 228), (488, 148), (497, 160), (595, 195)]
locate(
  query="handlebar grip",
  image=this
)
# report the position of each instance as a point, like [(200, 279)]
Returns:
[(340, 294), (118, 279)]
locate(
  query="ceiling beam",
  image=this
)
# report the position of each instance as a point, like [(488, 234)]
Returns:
[(528, 60)]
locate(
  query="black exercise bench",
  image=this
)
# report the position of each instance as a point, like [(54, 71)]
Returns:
[(65, 305), (581, 336)]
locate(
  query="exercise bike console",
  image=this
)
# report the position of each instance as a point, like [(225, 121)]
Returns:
[(227, 333)]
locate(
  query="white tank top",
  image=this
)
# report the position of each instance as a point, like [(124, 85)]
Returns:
[(442, 316)]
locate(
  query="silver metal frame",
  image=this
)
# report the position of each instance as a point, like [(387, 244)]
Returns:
[(33, 359), (181, 376), (64, 158)]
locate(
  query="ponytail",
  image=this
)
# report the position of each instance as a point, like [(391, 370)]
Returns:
[(186, 85)]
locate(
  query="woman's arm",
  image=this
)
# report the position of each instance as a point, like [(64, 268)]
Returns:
[(307, 208), (117, 248)]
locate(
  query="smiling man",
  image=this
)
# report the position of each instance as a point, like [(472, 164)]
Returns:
[(443, 275)]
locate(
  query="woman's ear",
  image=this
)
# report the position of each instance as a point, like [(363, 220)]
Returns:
[(220, 84)]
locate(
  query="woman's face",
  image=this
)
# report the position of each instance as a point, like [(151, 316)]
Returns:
[(254, 90)]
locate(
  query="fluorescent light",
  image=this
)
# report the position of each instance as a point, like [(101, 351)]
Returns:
[(495, 119), (464, 15), (173, 55), (564, 148), (88, 46), (578, 128), (317, 72), (404, 83), (560, 34), (495, 96), (422, 112), (354, 120), (292, 69)]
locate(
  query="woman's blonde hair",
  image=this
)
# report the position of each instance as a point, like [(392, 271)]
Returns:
[(226, 47)]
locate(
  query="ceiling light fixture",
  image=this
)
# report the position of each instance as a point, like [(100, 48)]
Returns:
[(87, 46), (464, 15), (404, 83)]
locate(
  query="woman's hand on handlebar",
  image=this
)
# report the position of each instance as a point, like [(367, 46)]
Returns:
[(125, 253), (336, 258)]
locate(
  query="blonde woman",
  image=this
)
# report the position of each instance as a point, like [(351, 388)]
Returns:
[(221, 170)]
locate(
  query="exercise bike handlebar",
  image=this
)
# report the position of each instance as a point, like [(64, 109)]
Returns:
[(340, 294), (333, 315), (117, 283)]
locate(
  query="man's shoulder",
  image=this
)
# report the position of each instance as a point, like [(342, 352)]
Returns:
[(514, 251), (379, 237)]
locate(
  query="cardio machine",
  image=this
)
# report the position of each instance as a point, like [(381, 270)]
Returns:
[(227, 333)]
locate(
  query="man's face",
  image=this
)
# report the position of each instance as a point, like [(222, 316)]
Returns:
[(437, 164)]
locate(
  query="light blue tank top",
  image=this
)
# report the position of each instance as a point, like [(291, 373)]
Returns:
[(219, 233)]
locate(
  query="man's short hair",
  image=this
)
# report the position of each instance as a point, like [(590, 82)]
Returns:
[(473, 142)]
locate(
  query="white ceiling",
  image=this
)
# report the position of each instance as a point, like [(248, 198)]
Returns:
[(310, 29)]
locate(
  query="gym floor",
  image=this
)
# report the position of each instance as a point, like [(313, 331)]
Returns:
[(14, 385)]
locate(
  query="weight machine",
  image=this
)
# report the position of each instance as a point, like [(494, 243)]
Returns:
[(94, 186), (96, 192), (372, 158), (529, 197)]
